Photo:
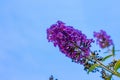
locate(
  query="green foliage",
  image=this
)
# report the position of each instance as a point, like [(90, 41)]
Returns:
[(92, 67), (117, 65), (107, 57), (113, 54), (113, 50), (109, 78)]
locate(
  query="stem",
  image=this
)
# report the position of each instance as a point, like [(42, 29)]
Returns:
[(108, 69)]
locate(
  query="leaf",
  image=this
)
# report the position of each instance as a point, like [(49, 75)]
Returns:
[(92, 67), (109, 78), (117, 65), (113, 50), (107, 57)]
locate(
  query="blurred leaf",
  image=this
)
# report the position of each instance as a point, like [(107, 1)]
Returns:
[(93, 67), (113, 50), (107, 57), (109, 78), (117, 65)]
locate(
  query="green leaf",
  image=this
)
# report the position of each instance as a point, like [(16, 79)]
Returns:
[(109, 78), (107, 57), (92, 67), (113, 50), (117, 65)]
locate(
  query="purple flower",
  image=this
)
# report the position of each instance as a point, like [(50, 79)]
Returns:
[(103, 39), (72, 42)]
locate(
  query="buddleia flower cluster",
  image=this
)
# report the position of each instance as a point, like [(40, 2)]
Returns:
[(71, 42), (103, 39), (76, 46)]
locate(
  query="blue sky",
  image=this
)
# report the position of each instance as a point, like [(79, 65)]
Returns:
[(25, 53)]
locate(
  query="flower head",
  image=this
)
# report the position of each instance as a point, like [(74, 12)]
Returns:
[(103, 39), (72, 42)]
